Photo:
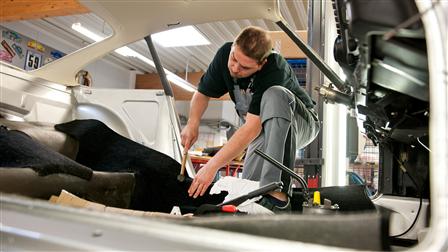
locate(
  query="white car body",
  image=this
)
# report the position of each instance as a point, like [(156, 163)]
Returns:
[(51, 94)]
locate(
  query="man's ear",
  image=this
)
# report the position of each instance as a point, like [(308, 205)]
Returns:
[(262, 64)]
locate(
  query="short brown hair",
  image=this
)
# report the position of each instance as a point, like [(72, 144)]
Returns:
[(254, 42)]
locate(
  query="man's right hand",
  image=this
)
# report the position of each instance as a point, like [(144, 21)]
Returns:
[(189, 135)]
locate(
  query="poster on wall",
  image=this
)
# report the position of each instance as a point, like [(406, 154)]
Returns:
[(8, 48), (5, 56), (33, 60), (18, 50), (13, 36)]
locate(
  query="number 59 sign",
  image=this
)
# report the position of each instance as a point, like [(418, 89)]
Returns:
[(33, 60)]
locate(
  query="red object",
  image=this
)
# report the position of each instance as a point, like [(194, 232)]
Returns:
[(229, 209), (235, 173), (8, 48), (313, 182)]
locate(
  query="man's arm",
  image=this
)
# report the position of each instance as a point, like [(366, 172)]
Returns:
[(237, 143), (190, 133)]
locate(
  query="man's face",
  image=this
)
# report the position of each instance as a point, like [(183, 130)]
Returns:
[(240, 65)]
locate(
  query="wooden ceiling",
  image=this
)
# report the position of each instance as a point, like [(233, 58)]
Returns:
[(13, 10)]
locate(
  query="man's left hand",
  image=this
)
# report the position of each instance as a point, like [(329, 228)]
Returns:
[(201, 182)]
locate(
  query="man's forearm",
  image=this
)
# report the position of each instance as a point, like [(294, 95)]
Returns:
[(239, 141), (190, 132), (198, 105)]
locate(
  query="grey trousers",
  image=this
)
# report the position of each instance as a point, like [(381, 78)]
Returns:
[(287, 126)]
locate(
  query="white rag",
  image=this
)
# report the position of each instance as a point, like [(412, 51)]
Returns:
[(237, 187)]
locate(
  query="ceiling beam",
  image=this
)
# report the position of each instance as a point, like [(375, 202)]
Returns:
[(13, 10)]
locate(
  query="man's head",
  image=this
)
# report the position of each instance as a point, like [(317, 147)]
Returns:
[(249, 52)]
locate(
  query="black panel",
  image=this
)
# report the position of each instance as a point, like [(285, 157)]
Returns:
[(356, 231), (390, 77), (368, 15)]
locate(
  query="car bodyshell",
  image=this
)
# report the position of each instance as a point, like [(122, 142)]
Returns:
[(29, 224)]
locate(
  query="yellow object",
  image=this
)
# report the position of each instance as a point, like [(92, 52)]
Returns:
[(38, 46), (316, 198)]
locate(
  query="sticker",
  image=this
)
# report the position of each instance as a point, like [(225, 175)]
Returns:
[(5, 56), (40, 47), (48, 60), (14, 36), (36, 45), (18, 50), (8, 48), (33, 60), (31, 44), (57, 54)]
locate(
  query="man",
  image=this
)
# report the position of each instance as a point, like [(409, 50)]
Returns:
[(277, 113)]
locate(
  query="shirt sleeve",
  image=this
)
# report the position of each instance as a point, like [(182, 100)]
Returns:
[(212, 82)]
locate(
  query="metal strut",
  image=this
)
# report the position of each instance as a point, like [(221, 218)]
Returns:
[(287, 170), (155, 57), (309, 52)]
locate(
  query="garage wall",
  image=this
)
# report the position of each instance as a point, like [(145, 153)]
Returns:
[(216, 111), (108, 75)]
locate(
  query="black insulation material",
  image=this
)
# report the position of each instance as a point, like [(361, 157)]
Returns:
[(157, 187), (19, 150)]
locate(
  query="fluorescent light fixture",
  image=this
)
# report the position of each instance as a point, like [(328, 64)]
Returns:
[(182, 36), (179, 81), (79, 28), (128, 52)]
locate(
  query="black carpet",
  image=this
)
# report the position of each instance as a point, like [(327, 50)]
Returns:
[(18, 150), (157, 188)]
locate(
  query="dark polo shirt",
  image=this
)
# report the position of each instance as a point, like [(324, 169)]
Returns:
[(217, 80)]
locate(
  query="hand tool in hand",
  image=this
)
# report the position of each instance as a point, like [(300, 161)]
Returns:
[(181, 176)]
